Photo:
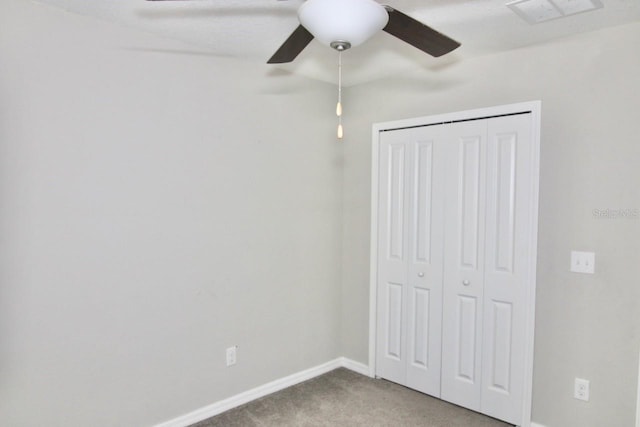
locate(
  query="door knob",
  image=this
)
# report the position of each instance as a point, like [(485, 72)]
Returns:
[(421, 274), (466, 282)]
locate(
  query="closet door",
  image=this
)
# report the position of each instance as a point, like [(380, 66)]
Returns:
[(410, 258), (455, 264), (509, 210), (464, 263), (392, 257), (426, 239)]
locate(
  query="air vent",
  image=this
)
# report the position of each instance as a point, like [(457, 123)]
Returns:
[(536, 11)]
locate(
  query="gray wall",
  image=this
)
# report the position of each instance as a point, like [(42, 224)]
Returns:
[(586, 326), (155, 209)]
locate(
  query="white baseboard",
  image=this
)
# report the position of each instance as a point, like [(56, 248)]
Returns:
[(354, 366), (263, 390), (536, 425)]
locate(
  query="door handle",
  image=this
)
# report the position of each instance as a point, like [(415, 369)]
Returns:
[(466, 282), (421, 274)]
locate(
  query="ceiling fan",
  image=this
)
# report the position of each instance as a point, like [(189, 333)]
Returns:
[(342, 24)]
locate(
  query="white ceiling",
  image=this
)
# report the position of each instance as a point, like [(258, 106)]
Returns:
[(253, 29)]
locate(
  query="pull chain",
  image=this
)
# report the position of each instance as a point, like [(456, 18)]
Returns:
[(339, 106)]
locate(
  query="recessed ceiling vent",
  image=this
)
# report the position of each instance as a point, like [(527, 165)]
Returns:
[(536, 11)]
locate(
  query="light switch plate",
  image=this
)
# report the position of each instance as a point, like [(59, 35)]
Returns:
[(583, 262)]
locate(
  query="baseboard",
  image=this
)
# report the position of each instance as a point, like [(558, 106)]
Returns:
[(536, 425), (263, 390), (354, 366)]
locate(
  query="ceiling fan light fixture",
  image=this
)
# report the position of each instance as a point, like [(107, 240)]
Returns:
[(346, 21)]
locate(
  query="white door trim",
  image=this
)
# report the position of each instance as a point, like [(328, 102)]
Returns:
[(534, 107)]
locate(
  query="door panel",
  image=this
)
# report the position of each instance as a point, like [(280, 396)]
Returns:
[(392, 260), (509, 210), (422, 201), (396, 207), (410, 183), (394, 321), (424, 323), (420, 325), (465, 357), (503, 191), (469, 199), (499, 365), (464, 264)]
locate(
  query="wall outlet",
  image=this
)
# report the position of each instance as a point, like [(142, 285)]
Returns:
[(581, 389), (232, 355)]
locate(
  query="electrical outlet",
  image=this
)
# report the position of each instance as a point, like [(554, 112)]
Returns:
[(581, 389), (232, 355)]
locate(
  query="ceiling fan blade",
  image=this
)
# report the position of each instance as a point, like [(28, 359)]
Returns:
[(295, 44), (417, 34)]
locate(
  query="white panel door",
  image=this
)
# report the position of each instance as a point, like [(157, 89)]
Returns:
[(455, 277), (410, 300), (509, 210), (464, 264), (392, 258), (426, 239)]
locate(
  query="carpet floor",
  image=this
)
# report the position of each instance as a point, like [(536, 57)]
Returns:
[(345, 398)]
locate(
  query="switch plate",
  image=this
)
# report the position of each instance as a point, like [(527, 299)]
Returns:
[(581, 389), (583, 262), (231, 355)]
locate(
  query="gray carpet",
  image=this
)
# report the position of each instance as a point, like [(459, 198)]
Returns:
[(345, 398)]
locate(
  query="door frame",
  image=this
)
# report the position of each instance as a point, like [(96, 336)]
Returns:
[(532, 107)]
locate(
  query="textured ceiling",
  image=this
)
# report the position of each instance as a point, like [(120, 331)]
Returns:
[(252, 30)]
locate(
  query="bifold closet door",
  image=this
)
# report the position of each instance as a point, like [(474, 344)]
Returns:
[(510, 206), (410, 257), (464, 263), (487, 212), (455, 272)]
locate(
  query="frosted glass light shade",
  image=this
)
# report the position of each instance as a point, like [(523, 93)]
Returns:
[(353, 21)]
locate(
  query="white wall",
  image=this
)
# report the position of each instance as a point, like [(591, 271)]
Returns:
[(587, 326), (155, 209)]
